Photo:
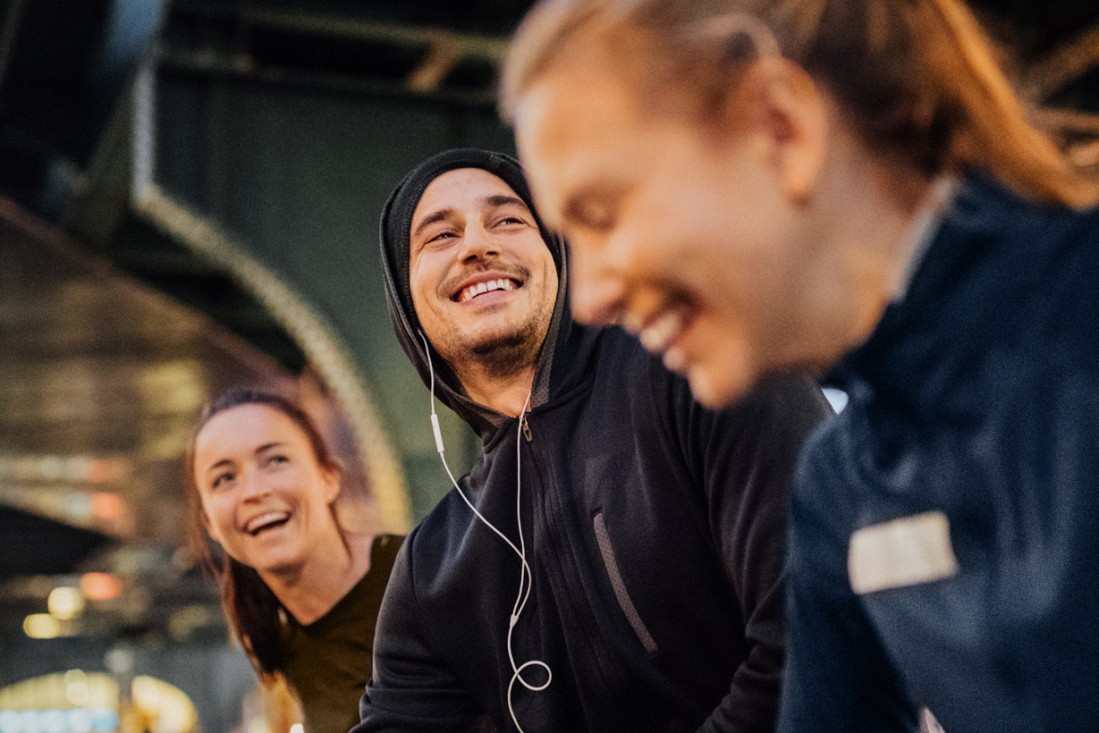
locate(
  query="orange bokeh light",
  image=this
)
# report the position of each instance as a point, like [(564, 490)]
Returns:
[(100, 586), (108, 507)]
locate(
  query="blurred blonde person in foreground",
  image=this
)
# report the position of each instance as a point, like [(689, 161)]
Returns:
[(852, 186)]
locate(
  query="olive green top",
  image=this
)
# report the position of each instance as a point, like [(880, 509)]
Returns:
[(328, 662)]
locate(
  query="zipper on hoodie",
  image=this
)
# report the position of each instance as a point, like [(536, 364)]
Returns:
[(625, 603), (565, 566)]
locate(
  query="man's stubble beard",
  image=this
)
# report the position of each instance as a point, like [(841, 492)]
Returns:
[(498, 355), (503, 356)]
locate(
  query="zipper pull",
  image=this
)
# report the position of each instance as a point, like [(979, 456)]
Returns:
[(526, 430)]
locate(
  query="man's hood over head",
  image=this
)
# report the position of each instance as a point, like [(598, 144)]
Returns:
[(396, 226)]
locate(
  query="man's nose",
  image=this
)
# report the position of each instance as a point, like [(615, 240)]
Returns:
[(478, 242)]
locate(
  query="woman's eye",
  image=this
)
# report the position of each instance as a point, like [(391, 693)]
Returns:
[(221, 480), (594, 215), (599, 216), (275, 460)]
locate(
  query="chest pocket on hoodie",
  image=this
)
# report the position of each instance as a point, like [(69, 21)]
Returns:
[(621, 593)]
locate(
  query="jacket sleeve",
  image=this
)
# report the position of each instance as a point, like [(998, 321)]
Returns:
[(747, 456), (838, 678), (411, 688)]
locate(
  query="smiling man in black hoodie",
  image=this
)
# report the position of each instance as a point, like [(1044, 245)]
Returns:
[(613, 562)]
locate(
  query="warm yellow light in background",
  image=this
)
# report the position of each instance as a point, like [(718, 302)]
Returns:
[(65, 603), (297, 728), (169, 708), (84, 702), (77, 691), (41, 626)]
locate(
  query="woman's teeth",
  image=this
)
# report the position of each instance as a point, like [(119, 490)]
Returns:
[(661, 331)]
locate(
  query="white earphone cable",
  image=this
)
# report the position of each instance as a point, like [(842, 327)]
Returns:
[(526, 579)]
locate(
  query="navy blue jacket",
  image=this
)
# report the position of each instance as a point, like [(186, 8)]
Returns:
[(945, 530)]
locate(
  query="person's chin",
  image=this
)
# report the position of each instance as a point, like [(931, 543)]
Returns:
[(493, 337), (277, 559), (277, 565), (717, 387)]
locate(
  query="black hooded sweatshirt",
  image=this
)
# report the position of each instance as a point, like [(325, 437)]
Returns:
[(653, 529)]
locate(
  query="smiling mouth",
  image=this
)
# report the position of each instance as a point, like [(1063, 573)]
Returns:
[(264, 522), (470, 292), (660, 331)]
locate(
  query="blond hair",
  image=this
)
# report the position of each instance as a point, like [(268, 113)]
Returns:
[(918, 78)]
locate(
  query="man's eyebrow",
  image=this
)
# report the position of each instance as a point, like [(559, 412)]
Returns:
[(501, 199), (493, 201), (433, 217)]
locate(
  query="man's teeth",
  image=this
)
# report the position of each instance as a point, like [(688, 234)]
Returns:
[(487, 286)]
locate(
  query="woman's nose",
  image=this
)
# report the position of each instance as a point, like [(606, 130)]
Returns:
[(255, 485), (597, 292)]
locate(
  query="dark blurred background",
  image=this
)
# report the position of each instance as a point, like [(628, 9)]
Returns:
[(189, 192)]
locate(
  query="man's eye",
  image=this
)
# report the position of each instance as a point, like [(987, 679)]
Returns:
[(439, 237)]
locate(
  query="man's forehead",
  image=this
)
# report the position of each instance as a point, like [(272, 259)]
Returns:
[(463, 184), (458, 189)]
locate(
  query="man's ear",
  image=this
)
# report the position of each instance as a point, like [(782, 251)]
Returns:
[(780, 101)]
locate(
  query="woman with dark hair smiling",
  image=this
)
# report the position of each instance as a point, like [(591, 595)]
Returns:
[(301, 592)]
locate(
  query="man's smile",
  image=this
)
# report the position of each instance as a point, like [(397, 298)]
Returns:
[(482, 286)]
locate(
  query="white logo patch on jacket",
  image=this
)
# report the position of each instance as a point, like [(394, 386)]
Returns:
[(902, 552)]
